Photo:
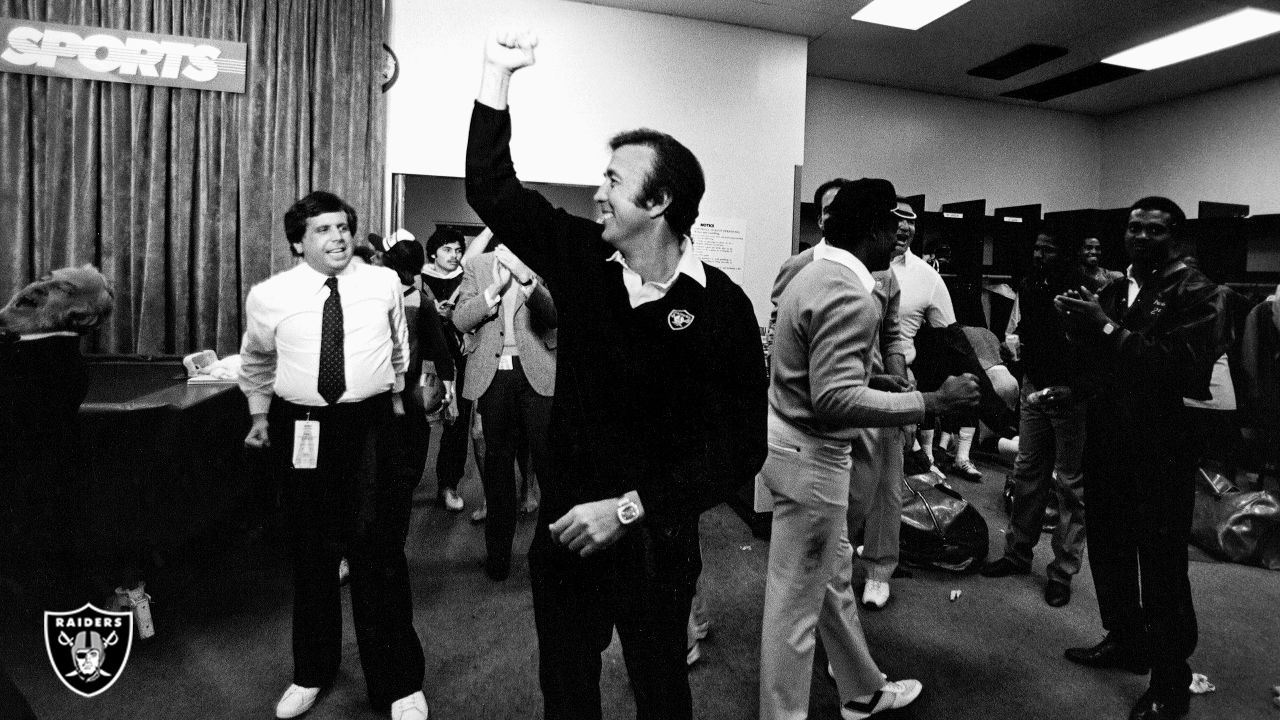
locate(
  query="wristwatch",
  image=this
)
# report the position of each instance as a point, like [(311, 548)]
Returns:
[(1108, 328), (628, 510)]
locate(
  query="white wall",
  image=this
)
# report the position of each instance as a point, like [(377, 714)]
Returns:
[(1222, 146), (733, 95), (950, 149)]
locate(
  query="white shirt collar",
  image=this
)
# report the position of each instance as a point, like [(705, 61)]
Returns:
[(823, 251), (641, 292)]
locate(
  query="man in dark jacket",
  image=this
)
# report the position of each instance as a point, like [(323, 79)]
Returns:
[(1051, 431), (659, 409), (1154, 341)]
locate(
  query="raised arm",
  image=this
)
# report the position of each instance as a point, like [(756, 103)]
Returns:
[(550, 240)]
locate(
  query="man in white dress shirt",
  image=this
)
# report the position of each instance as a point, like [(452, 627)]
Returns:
[(325, 349)]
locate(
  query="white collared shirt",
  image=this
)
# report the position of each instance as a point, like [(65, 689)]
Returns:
[(924, 298), (281, 346), (641, 292), (825, 251)]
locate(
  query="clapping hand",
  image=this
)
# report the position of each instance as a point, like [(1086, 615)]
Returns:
[(513, 265), (1080, 308)]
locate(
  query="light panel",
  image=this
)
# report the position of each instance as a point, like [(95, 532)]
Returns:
[(1220, 33), (906, 14)]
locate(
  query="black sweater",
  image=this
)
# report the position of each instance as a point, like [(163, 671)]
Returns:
[(676, 414)]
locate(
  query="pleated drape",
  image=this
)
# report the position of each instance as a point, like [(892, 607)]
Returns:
[(176, 194)]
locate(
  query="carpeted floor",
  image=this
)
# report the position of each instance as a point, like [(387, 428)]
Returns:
[(222, 648)]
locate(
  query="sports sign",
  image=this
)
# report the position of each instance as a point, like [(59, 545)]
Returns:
[(89, 53)]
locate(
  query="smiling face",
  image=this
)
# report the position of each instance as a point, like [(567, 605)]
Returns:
[(1091, 253), (326, 244), (905, 234), (617, 198)]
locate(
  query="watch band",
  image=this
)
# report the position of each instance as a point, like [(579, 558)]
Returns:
[(628, 511)]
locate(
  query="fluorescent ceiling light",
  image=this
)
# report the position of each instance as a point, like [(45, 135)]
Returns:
[(1221, 33), (908, 14)]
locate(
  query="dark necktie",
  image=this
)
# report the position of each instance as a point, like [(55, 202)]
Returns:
[(332, 377)]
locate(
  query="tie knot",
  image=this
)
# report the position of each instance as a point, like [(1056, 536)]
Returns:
[(332, 283)]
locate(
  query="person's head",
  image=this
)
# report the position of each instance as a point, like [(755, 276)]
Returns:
[(823, 196), (906, 232), (1150, 234), (406, 258), (75, 299), (319, 228), (1090, 253), (650, 178), (1054, 250), (863, 219), (445, 248)]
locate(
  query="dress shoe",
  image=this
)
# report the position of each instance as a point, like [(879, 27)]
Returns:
[(410, 707), (1057, 594), (875, 594), (1152, 706), (890, 697), (1003, 567), (296, 701), (1109, 653)]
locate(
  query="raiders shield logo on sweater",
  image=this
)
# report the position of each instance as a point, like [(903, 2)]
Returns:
[(679, 319)]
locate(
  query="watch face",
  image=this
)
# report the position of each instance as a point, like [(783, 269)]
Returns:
[(628, 512)]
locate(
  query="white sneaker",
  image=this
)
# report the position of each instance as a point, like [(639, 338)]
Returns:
[(875, 594), (481, 514), (411, 707), (296, 701), (452, 500), (890, 697)]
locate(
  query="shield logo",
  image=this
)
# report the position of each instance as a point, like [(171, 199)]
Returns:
[(88, 648), (679, 319)]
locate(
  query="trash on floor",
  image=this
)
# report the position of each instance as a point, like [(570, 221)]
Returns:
[(1200, 684)]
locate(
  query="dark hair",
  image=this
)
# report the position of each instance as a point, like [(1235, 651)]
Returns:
[(1163, 204), (676, 174), (317, 203), (365, 253), (1067, 242), (404, 257), (443, 236), (824, 187)]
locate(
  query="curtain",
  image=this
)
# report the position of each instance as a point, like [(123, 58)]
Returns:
[(178, 195)]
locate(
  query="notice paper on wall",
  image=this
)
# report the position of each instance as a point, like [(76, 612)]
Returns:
[(722, 243)]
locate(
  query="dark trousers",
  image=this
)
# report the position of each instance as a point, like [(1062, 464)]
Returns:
[(347, 507), (512, 412), (451, 460), (577, 603), (1139, 489)]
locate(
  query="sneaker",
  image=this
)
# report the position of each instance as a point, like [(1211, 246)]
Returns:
[(967, 471), (937, 471), (411, 707), (875, 594), (296, 701), (344, 571), (480, 515), (892, 696), (452, 500)]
